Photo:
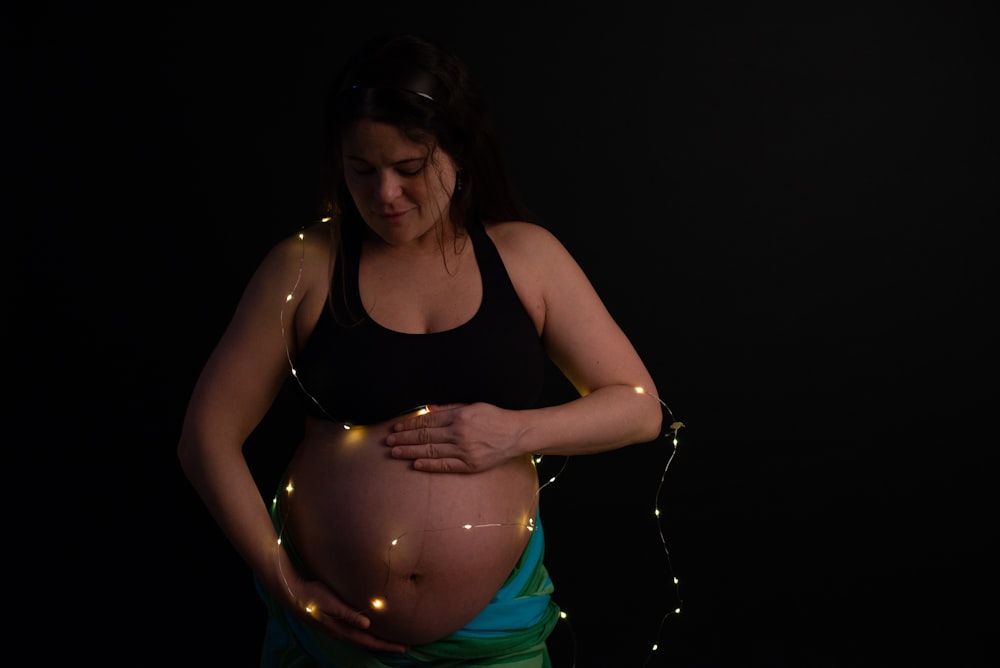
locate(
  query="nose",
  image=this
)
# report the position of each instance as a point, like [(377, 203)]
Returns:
[(388, 186)]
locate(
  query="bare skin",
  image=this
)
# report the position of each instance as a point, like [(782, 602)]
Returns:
[(392, 542), (416, 476)]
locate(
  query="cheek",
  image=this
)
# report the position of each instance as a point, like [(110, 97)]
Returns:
[(435, 189), (355, 187)]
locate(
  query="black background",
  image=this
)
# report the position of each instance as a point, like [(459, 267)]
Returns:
[(786, 211)]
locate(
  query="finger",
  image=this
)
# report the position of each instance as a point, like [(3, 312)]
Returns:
[(432, 415), (361, 637), (352, 625), (355, 619), (442, 465), (345, 617), (371, 642), (427, 420), (410, 424), (423, 451), (419, 435), (437, 408)]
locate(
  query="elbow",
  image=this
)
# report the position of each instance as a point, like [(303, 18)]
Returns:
[(183, 453), (649, 424), (188, 454), (652, 426)]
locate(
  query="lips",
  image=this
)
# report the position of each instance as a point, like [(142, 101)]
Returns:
[(391, 215)]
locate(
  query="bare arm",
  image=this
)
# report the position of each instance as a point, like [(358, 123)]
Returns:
[(236, 388), (585, 343), (232, 394), (597, 357)]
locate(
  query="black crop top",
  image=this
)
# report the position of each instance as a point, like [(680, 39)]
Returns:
[(361, 372)]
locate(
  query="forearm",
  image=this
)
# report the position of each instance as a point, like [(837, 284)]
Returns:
[(606, 419), (223, 481)]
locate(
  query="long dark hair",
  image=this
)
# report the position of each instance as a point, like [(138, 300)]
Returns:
[(425, 90)]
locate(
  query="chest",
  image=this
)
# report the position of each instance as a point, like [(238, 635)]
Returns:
[(422, 297), (408, 335)]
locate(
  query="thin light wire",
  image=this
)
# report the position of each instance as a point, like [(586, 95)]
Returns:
[(672, 433)]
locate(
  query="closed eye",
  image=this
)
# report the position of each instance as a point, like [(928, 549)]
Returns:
[(407, 167)]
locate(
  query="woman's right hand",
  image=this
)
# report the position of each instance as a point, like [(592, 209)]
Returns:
[(318, 605)]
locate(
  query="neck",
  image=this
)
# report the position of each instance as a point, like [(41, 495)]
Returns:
[(442, 239)]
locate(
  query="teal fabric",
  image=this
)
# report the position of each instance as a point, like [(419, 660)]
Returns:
[(511, 631)]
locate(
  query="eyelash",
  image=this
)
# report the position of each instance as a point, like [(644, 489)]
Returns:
[(401, 172)]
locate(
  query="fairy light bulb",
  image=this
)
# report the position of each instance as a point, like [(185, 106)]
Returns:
[(675, 426), (379, 603)]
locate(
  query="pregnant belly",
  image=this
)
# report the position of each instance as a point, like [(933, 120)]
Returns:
[(420, 553)]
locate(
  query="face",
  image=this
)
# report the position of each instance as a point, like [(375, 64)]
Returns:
[(401, 188)]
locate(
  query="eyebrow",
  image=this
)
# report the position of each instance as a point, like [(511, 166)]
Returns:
[(358, 158)]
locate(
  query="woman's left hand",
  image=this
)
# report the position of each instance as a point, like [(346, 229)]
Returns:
[(456, 438)]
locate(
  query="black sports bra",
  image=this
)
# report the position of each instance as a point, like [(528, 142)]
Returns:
[(359, 372)]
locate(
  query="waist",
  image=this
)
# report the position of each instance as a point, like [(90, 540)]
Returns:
[(512, 627), (421, 553)]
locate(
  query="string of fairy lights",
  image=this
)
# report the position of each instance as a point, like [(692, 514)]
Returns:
[(378, 603)]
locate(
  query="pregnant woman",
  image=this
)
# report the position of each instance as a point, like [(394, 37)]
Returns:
[(416, 320)]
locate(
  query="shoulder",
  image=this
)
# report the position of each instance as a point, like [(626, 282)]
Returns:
[(520, 241), (312, 240), (542, 269), (307, 249), (299, 263)]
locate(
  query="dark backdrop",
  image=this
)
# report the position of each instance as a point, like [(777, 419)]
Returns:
[(786, 212)]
